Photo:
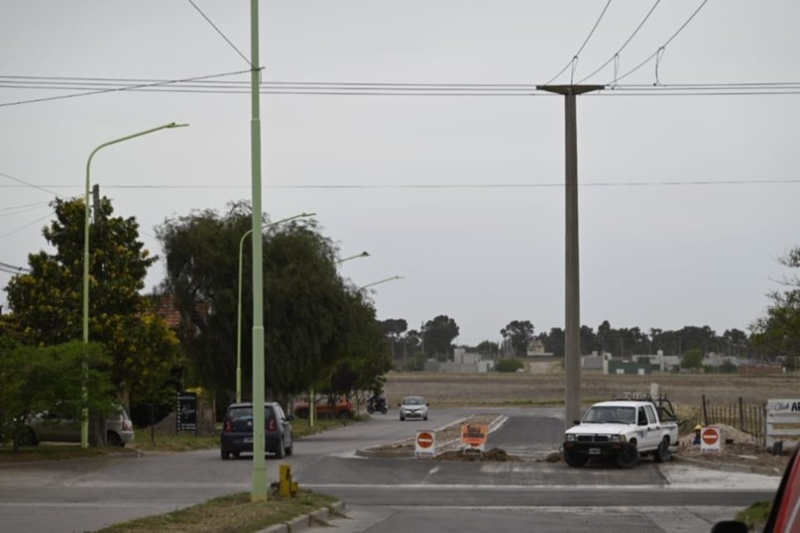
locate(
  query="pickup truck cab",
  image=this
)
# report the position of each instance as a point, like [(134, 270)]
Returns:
[(622, 430)]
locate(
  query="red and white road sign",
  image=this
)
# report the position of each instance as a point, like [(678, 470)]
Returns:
[(425, 444), (710, 440), (424, 439)]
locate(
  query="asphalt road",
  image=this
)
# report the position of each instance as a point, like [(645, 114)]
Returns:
[(393, 495)]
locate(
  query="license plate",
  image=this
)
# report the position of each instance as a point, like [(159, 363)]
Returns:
[(248, 440), (594, 451)]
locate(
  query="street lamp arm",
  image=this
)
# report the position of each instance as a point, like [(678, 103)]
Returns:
[(362, 254), (381, 281)]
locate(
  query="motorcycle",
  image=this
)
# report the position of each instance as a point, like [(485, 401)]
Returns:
[(377, 404)]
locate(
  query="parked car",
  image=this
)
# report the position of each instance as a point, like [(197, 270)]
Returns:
[(413, 407), (237, 431), (340, 408), (49, 426)]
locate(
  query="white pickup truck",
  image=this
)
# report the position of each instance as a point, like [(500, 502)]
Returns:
[(623, 430)]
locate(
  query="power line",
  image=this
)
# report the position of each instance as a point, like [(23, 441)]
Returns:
[(661, 48), (222, 34), (27, 225), (574, 59), (13, 269), (119, 89), (391, 89), (615, 57), (28, 184), (665, 183)]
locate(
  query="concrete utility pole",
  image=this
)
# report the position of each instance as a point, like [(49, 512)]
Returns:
[(572, 329)]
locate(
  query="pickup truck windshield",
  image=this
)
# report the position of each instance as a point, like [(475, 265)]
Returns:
[(610, 415)]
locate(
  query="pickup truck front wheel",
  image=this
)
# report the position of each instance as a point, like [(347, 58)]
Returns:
[(628, 456), (575, 459), (661, 454)]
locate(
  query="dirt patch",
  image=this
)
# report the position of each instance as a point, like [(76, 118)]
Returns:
[(495, 454), (737, 448)]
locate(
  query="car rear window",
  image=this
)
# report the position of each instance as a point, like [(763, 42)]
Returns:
[(241, 418)]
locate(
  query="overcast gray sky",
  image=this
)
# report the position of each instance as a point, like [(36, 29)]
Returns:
[(685, 204)]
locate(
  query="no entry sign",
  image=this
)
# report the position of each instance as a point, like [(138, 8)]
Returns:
[(425, 444), (710, 440)]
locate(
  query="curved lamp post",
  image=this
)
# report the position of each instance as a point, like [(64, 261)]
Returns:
[(239, 316), (84, 394), (382, 281)]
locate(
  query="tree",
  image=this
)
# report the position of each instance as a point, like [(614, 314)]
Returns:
[(393, 329), (692, 359), (35, 379), (438, 336), (313, 318), (47, 302), (519, 333), (778, 331), (488, 348)]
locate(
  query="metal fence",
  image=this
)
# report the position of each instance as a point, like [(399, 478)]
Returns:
[(748, 418)]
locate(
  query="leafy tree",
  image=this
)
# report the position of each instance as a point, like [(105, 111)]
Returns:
[(313, 319), (393, 329), (47, 302), (438, 336), (554, 341), (692, 359), (35, 379), (509, 364), (488, 348), (778, 331), (520, 333)]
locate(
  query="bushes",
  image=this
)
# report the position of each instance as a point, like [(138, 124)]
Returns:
[(509, 364)]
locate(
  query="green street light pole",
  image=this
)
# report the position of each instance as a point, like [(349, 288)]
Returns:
[(239, 316), (259, 477), (84, 393), (382, 281)]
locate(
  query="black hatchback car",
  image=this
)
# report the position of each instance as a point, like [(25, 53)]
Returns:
[(237, 431)]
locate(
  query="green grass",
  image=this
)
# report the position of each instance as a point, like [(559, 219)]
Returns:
[(756, 515), (227, 514)]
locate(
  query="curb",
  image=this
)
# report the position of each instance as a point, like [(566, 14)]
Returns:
[(308, 521), (728, 467)]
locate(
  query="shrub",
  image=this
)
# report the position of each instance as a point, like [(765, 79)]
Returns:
[(509, 364)]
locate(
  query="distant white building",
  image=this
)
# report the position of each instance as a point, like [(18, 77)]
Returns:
[(536, 349), (465, 362)]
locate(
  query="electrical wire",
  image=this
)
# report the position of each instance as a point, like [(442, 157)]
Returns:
[(118, 89), (389, 89), (13, 269), (574, 59), (28, 184), (624, 45), (670, 183), (662, 47), (27, 225), (222, 34)]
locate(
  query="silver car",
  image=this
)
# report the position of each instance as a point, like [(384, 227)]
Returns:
[(51, 427), (413, 407)]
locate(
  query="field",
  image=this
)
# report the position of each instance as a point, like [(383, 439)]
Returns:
[(547, 388)]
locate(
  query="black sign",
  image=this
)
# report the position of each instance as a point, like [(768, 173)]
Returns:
[(187, 411)]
